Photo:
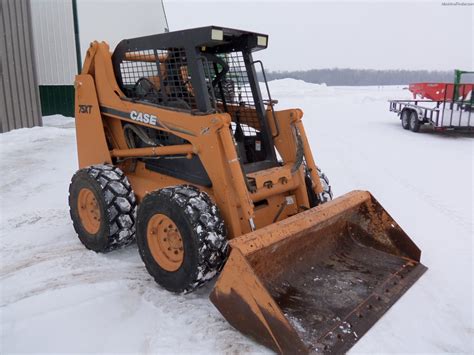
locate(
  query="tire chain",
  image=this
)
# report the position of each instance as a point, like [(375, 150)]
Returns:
[(207, 224), (120, 201), (326, 195)]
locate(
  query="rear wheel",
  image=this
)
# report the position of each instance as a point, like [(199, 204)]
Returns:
[(181, 237), (325, 196), (405, 118), (414, 122), (102, 206)]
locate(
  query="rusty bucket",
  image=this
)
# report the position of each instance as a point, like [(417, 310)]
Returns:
[(317, 281)]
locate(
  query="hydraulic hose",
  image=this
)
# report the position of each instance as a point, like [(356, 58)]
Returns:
[(140, 134)]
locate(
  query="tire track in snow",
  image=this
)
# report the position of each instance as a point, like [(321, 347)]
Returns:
[(47, 217), (102, 269), (73, 277), (40, 256), (69, 265)]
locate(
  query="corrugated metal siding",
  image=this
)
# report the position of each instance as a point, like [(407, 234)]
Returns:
[(53, 31), (110, 21), (56, 57), (19, 97)]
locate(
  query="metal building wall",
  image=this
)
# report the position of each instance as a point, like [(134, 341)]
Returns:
[(19, 97), (53, 32), (59, 45), (115, 20)]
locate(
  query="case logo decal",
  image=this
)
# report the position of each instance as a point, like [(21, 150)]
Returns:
[(143, 117)]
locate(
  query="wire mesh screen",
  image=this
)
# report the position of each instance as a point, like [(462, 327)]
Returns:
[(233, 93), (159, 76)]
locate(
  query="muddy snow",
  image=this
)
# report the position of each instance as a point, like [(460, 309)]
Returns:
[(56, 296)]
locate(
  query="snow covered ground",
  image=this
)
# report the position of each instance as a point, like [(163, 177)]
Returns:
[(56, 296)]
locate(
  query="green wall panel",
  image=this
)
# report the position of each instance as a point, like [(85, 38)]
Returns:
[(57, 99)]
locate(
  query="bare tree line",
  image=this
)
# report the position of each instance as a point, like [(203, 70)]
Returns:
[(355, 77)]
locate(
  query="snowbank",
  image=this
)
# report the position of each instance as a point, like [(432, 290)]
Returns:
[(58, 121), (296, 88)]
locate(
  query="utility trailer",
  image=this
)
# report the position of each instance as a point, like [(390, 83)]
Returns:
[(454, 113), (441, 105)]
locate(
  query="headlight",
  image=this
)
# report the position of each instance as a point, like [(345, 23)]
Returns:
[(261, 41), (217, 35)]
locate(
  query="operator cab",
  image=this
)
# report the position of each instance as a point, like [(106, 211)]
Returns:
[(201, 71)]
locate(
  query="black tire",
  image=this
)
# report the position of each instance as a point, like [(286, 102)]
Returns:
[(325, 196), (405, 118), (202, 232), (414, 122), (116, 202)]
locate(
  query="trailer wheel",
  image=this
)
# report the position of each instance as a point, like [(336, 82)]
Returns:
[(414, 122), (102, 206), (181, 237), (405, 118), (325, 196)]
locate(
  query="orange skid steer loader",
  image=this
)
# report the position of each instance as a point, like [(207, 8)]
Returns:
[(179, 150)]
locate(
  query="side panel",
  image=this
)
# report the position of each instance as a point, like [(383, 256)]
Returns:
[(91, 143)]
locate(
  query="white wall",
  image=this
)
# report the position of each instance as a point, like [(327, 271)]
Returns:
[(114, 20), (104, 20), (53, 35)]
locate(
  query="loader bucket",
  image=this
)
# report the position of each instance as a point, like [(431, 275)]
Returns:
[(317, 281)]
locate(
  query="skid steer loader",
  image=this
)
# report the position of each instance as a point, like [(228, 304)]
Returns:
[(178, 149)]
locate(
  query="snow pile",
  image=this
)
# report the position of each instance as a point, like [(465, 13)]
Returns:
[(295, 88), (56, 296), (58, 121)]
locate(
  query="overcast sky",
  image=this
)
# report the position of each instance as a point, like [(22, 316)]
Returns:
[(344, 34)]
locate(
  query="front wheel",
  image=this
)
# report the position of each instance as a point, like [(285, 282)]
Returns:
[(181, 237)]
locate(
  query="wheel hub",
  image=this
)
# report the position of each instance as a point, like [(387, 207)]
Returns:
[(89, 211), (165, 242)]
